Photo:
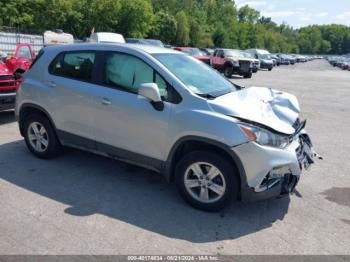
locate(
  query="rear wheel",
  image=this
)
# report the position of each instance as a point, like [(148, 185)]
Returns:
[(206, 180), (40, 137)]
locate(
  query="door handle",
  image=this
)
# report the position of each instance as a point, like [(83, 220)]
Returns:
[(52, 84), (106, 101)]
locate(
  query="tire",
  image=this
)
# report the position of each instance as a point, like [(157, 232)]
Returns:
[(225, 181), (248, 75), (46, 150), (270, 69), (228, 71)]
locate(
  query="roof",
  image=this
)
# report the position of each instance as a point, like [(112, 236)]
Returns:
[(110, 46)]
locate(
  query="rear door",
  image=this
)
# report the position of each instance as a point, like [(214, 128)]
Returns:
[(70, 81)]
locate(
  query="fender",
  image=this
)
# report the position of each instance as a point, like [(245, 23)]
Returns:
[(170, 165), (24, 106)]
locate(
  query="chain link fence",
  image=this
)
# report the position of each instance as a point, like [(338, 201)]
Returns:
[(10, 36)]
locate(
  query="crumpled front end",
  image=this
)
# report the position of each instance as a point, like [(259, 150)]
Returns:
[(272, 172), (8, 89)]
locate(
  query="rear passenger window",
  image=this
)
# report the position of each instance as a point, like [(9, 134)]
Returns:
[(76, 65)]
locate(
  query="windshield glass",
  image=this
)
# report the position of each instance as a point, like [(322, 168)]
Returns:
[(232, 53), (197, 76), (265, 56), (248, 55)]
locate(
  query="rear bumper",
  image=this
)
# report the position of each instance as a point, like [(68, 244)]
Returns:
[(7, 101)]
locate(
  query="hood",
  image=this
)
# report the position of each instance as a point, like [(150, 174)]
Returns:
[(272, 108), (239, 58), (202, 57), (4, 70), (267, 61)]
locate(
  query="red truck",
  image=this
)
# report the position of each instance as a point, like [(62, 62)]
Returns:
[(196, 53), (232, 61), (9, 77)]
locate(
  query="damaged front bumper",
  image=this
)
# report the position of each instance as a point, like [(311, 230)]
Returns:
[(272, 172)]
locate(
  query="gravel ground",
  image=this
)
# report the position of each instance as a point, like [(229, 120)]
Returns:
[(80, 203)]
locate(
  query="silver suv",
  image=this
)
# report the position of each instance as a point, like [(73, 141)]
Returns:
[(168, 112)]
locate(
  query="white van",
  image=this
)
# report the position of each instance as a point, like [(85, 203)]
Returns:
[(107, 37), (264, 56)]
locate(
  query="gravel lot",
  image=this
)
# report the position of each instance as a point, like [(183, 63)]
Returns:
[(80, 203)]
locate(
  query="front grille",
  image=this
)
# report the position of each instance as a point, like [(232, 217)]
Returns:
[(7, 84), (8, 91), (244, 64), (7, 77)]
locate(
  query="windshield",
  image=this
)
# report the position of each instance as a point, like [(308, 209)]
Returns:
[(248, 55), (232, 53), (197, 76), (264, 56)]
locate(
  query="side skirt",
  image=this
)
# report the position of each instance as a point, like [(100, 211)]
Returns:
[(119, 154)]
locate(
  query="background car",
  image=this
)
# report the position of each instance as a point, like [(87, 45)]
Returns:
[(196, 53)]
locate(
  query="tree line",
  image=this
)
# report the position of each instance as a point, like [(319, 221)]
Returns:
[(200, 23)]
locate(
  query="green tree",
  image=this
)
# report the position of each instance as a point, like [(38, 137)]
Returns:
[(183, 29), (164, 27), (135, 18), (247, 14)]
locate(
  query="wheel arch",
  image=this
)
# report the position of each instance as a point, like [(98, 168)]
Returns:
[(28, 109), (191, 143), (228, 63)]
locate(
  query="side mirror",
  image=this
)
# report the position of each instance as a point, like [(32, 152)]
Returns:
[(151, 91)]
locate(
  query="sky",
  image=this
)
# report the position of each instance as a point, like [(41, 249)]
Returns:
[(298, 13)]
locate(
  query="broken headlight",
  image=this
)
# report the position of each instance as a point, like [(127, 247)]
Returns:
[(263, 136)]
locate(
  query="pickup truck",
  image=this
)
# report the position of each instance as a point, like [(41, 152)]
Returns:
[(9, 77), (232, 61)]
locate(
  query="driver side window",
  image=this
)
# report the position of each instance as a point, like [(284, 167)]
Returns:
[(127, 73)]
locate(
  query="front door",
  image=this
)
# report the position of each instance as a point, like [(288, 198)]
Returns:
[(126, 124)]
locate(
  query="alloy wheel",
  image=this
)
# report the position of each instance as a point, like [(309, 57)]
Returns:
[(38, 137), (204, 182)]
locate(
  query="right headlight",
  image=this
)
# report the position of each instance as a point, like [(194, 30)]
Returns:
[(263, 136)]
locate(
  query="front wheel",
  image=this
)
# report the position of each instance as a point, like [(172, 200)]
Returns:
[(228, 71), (206, 180), (248, 75), (270, 69)]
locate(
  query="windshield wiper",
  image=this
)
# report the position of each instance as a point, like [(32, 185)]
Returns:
[(208, 96)]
